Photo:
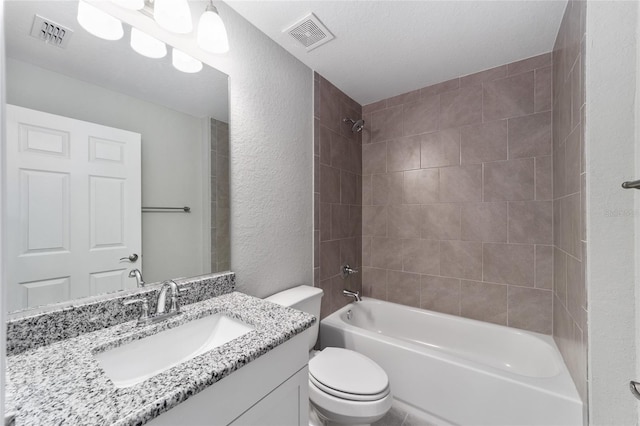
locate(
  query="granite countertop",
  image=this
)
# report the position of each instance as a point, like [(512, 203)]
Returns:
[(62, 383)]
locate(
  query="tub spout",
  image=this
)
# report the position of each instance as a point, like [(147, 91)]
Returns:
[(354, 294)]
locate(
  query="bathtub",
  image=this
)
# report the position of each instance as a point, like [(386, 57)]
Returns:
[(456, 370)]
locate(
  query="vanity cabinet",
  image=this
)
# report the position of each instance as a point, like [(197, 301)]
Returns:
[(270, 390)]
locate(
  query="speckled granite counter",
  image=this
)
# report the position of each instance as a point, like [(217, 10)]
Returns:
[(62, 383), (45, 325)]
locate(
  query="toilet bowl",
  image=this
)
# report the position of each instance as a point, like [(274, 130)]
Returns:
[(348, 388), (345, 387)]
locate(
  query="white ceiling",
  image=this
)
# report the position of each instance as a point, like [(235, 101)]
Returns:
[(113, 64), (385, 48)]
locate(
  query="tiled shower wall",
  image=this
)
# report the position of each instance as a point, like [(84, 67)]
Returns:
[(569, 236), (337, 193), (220, 211), (457, 196)]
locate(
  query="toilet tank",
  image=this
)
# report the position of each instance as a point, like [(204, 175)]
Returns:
[(303, 298)]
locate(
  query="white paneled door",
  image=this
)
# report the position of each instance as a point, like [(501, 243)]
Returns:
[(73, 192)]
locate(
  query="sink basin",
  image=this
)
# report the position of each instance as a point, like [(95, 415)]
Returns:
[(139, 360)]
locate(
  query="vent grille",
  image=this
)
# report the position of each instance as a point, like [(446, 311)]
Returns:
[(50, 32), (307, 33), (310, 32)]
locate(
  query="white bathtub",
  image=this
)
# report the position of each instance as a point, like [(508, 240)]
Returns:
[(459, 371)]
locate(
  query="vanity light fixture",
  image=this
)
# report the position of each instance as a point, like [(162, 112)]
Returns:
[(173, 15), (185, 63), (130, 4), (99, 23), (212, 34), (146, 45)]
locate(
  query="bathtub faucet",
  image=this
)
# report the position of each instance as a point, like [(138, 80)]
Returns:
[(347, 270), (354, 294)]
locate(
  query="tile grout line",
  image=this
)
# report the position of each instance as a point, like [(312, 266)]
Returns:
[(406, 415)]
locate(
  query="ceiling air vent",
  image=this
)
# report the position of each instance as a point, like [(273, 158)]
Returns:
[(50, 32), (310, 32)]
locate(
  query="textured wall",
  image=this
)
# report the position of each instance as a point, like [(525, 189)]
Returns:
[(612, 118), (457, 210), (337, 193), (271, 161), (569, 233), (3, 289)]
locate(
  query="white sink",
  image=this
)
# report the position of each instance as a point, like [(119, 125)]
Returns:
[(139, 360)]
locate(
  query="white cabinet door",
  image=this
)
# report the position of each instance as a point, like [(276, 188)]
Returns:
[(287, 405), (73, 192)]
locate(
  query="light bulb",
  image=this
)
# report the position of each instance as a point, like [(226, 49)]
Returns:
[(146, 45), (184, 62), (130, 4), (173, 15), (212, 35), (99, 23)]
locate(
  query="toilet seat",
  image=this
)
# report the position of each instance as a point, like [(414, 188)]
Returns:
[(348, 375), (345, 395), (343, 411)]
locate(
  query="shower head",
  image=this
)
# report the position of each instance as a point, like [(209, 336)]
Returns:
[(357, 125)]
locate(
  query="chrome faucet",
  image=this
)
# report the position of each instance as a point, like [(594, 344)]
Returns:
[(135, 273), (162, 298), (354, 294), (347, 270), (161, 312)]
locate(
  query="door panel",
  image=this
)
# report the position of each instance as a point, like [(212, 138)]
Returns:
[(44, 211), (107, 212), (46, 291), (40, 140), (108, 281), (106, 150), (74, 188)]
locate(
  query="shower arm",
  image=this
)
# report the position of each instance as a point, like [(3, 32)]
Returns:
[(357, 125)]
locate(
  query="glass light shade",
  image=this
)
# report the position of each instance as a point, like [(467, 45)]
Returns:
[(212, 35), (130, 4), (173, 15), (99, 23), (184, 62), (146, 45)]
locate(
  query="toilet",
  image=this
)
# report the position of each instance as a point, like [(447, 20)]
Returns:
[(345, 387)]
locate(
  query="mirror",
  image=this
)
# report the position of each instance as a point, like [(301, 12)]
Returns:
[(182, 123)]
